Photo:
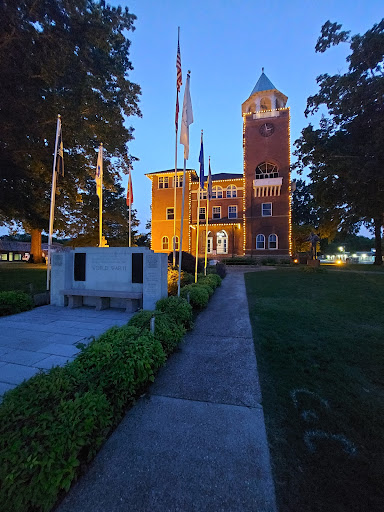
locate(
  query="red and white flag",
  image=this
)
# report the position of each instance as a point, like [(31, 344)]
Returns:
[(179, 81), (129, 190)]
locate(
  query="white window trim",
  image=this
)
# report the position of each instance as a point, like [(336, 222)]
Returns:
[(277, 242), (260, 248), (205, 213), (233, 206), (216, 187), (219, 217), (179, 181), (166, 212), (177, 242), (262, 210), (231, 189), (163, 182)]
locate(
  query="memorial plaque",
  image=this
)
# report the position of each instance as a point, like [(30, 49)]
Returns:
[(79, 266), (137, 267)]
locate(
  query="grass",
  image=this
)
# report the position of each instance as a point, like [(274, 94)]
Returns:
[(320, 348), (360, 267), (23, 276)]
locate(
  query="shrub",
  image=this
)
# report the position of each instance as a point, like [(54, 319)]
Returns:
[(188, 262), (212, 280), (167, 331), (198, 295), (14, 302), (221, 270), (173, 275), (178, 309), (269, 261), (119, 363)]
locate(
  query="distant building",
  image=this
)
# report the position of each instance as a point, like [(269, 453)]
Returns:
[(249, 214), (20, 251)]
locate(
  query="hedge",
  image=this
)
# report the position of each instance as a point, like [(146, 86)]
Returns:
[(52, 425), (198, 295), (14, 302)]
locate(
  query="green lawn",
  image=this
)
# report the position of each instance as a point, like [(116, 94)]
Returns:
[(319, 340), (21, 275), (361, 267)]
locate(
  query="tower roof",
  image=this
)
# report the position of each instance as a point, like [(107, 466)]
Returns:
[(263, 84)]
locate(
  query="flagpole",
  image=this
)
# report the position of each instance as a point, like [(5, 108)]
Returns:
[(197, 233), (206, 224), (52, 209), (101, 199), (178, 83), (181, 229), (130, 208)]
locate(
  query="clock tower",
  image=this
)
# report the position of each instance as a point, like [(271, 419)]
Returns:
[(267, 185)]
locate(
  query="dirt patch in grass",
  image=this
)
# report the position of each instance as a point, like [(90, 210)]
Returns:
[(320, 348)]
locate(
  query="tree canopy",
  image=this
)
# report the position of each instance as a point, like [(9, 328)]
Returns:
[(345, 154), (69, 57)]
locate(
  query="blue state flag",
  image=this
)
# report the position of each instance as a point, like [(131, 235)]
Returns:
[(201, 160)]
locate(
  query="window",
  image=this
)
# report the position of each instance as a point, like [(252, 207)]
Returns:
[(203, 193), (209, 243), (202, 214), (266, 170), (265, 104), (3, 257), (165, 243), (216, 212), (231, 191), (266, 209), (170, 214), (17, 257), (217, 193), (176, 240), (163, 182), (260, 242), (272, 241), (232, 212), (179, 181)]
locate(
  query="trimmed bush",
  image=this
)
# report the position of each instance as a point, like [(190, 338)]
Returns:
[(167, 331), (213, 280), (55, 422), (14, 302), (178, 309), (119, 363), (188, 262), (173, 275), (198, 295)]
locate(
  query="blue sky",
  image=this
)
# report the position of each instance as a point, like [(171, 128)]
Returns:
[(225, 43)]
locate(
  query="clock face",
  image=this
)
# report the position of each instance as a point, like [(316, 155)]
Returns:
[(266, 129)]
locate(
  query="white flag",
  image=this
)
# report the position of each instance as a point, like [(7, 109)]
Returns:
[(187, 119), (99, 171)]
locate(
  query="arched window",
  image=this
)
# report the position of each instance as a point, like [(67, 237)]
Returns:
[(217, 192), (231, 191), (260, 242), (266, 170), (209, 242), (165, 243), (265, 104), (272, 241), (222, 242), (176, 238)]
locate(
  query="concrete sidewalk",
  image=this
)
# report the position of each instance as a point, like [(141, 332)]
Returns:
[(197, 440), (46, 337)]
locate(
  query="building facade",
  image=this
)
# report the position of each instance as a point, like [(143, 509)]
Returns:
[(250, 212)]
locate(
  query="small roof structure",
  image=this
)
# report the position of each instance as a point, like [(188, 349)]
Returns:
[(263, 84)]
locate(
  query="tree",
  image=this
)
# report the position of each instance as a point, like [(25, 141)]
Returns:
[(345, 155), (69, 57)]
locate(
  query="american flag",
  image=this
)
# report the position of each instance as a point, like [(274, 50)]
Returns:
[(179, 82)]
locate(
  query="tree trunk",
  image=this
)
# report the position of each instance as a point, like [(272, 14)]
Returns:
[(378, 254), (36, 251)]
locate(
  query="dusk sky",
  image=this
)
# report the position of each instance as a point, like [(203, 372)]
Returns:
[(225, 44)]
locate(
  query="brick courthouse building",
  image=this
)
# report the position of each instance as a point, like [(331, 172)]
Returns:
[(249, 214)]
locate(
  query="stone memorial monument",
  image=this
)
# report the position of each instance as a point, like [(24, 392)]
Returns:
[(130, 277)]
